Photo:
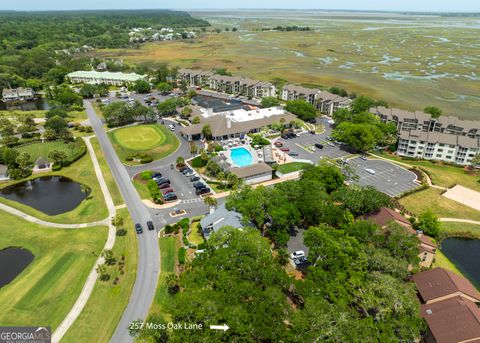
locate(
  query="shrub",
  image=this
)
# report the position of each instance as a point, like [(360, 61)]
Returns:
[(147, 159), (129, 158), (121, 232), (169, 229), (146, 174), (182, 255), (56, 167), (202, 246), (197, 162)]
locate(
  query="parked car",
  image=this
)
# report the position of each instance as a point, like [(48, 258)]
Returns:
[(162, 182), (171, 127), (312, 148), (370, 171), (297, 254), (170, 197), (330, 144), (202, 191), (200, 186), (187, 171), (285, 136), (165, 191), (150, 225), (182, 169), (312, 132), (278, 144), (300, 261), (156, 175), (319, 145), (293, 154), (194, 178), (285, 149), (363, 157), (138, 228), (164, 185), (198, 183)]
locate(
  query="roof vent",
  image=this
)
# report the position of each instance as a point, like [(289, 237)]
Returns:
[(429, 311)]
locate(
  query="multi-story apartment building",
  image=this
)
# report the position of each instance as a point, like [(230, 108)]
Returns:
[(329, 103), (227, 84), (294, 92), (18, 94), (445, 138)]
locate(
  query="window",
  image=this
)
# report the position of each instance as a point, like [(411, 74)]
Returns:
[(438, 155), (440, 150)]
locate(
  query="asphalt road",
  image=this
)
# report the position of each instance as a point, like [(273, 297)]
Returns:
[(148, 268)]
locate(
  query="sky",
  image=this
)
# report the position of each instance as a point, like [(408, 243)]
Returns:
[(383, 5)]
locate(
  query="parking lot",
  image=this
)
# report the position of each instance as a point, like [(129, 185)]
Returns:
[(388, 178)]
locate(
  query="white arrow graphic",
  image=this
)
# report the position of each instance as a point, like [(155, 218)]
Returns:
[(223, 327)]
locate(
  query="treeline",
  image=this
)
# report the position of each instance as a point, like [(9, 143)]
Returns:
[(39, 48), (287, 28)]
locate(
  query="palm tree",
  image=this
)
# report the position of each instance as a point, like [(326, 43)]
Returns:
[(207, 131), (210, 201)]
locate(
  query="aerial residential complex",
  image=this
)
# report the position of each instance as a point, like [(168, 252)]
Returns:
[(446, 138), (18, 94), (324, 101), (109, 78)]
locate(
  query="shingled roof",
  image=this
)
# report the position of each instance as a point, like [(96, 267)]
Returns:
[(438, 283)]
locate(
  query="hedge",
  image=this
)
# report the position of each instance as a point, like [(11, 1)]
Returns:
[(182, 255)]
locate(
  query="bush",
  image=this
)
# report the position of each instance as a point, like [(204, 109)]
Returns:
[(129, 158), (202, 246), (182, 255), (197, 162), (169, 229), (184, 223), (121, 232), (147, 159), (146, 175), (56, 167)]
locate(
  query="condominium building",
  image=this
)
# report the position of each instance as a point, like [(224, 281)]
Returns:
[(329, 103), (294, 92), (446, 138), (95, 77), (227, 84), (18, 94)]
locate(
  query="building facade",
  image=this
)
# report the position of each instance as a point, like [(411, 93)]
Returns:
[(108, 78), (294, 92), (446, 138), (18, 94)]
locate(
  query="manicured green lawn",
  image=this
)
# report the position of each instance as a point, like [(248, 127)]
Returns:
[(452, 228), (195, 236), (142, 189), (90, 210), (168, 257), (47, 289), (443, 207), (292, 167), (442, 261), (37, 150), (155, 140), (103, 311), (107, 174), (443, 175)]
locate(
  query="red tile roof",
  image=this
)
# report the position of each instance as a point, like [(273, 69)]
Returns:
[(438, 282), (453, 320)]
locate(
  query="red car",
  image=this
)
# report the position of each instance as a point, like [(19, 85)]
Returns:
[(285, 149), (165, 185), (167, 190), (278, 144)]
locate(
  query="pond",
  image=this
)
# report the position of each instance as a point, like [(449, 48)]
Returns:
[(38, 104), (465, 254), (51, 195), (12, 262)]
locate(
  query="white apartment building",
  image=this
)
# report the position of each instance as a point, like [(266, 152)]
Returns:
[(18, 94), (329, 103), (447, 138), (95, 77), (294, 92)]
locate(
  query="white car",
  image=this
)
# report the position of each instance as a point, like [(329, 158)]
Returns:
[(297, 254), (171, 127), (370, 171)]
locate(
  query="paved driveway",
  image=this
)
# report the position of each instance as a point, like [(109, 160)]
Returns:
[(389, 178)]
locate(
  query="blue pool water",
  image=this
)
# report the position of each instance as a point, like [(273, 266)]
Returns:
[(241, 157)]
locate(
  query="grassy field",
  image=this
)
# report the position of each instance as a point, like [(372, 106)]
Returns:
[(102, 313), (168, 250), (431, 199), (155, 140), (107, 174), (443, 175), (195, 236), (63, 259), (364, 53), (37, 150), (92, 209), (442, 261), (141, 188), (292, 167), (452, 229)]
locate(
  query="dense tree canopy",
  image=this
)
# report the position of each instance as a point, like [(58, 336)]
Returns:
[(302, 109)]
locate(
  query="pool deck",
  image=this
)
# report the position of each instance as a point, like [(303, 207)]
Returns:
[(253, 153)]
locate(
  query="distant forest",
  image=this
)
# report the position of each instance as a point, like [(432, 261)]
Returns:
[(30, 41)]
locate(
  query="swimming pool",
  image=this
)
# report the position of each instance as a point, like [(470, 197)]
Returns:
[(241, 157)]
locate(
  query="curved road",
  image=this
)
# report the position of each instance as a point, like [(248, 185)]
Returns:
[(148, 251)]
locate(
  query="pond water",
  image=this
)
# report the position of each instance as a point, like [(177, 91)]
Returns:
[(12, 262), (39, 104), (465, 254), (49, 194)]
